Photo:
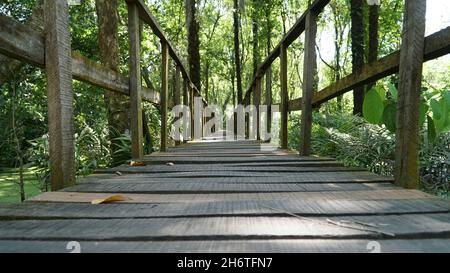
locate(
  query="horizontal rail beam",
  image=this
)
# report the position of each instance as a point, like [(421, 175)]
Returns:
[(436, 45), (21, 42)]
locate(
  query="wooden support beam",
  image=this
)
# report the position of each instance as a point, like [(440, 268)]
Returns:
[(309, 74), (60, 96), (257, 103), (164, 93), (191, 106), (185, 100), (268, 100), (177, 93), (23, 43), (410, 82), (137, 148), (284, 97)]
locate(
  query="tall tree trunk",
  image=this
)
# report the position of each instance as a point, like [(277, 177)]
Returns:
[(268, 99), (237, 54), (207, 81), (357, 33), (193, 42), (255, 31), (116, 104), (21, 182), (374, 14)]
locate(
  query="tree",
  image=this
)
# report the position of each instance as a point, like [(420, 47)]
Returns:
[(116, 104), (374, 14), (192, 26), (237, 55), (357, 34), (255, 31)]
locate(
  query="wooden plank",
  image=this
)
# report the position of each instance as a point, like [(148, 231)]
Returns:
[(60, 95), (238, 228), (305, 208), (409, 91), (306, 177), (389, 194), (211, 187), (309, 86), (284, 97), (21, 42), (232, 246), (164, 94), (137, 148)]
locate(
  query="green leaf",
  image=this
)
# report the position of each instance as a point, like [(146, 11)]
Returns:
[(390, 117), (373, 107), (432, 135), (436, 108), (423, 112), (393, 91)]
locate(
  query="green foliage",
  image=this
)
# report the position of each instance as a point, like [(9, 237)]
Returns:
[(382, 109), (373, 106)]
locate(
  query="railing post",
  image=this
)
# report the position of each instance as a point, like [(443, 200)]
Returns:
[(185, 101), (309, 68), (284, 97), (191, 102), (164, 93), (411, 61), (58, 65), (137, 149), (177, 93), (257, 103), (268, 100)]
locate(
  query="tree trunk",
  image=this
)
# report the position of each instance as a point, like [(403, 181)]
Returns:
[(268, 98), (116, 104), (237, 58), (19, 153), (357, 33), (374, 13), (193, 42), (255, 36)]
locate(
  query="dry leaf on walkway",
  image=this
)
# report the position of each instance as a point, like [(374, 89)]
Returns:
[(137, 164), (110, 199)]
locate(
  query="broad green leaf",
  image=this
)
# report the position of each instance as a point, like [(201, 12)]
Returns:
[(373, 107), (436, 108), (390, 117), (393, 91), (423, 112)]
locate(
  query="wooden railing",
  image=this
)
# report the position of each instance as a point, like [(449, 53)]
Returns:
[(434, 46), (51, 50)]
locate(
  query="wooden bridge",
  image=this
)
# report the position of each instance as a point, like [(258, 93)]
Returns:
[(214, 195)]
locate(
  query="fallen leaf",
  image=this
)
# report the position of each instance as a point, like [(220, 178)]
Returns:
[(110, 199), (137, 164), (119, 173), (170, 164)]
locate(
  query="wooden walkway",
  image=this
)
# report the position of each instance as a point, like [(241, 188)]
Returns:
[(218, 196)]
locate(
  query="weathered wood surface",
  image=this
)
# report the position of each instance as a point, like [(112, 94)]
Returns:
[(23, 43), (58, 63), (235, 203), (137, 149)]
